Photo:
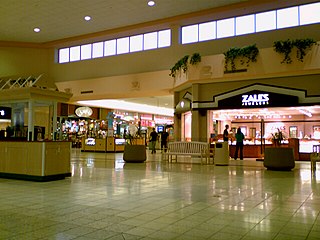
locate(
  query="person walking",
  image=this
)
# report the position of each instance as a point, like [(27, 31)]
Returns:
[(239, 145), (153, 140)]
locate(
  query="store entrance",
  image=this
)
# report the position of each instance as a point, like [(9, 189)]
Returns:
[(262, 127)]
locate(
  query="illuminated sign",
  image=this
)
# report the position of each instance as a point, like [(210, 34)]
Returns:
[(83, 112), (5, 113), (255, 99), (258, 99)]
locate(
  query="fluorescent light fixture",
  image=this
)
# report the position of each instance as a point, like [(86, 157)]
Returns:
[(36, 29), (87, 18), (128, 106), (151, 3)]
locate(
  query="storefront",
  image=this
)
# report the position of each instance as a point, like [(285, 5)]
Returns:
[(105, 130), (5, 121), (261, 111)]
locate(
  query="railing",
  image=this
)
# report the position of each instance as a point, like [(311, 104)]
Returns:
[(21, 82)]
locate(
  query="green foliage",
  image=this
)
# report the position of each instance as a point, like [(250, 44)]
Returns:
[(277, 137), (303, 45), (286, 47), (183, 63), (246, 55), (195, 59)]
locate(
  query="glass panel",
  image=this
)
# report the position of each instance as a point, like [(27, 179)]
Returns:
[(123, 45), (97, 50), (110, 47), (225, 28), (245, 24), (288, 17), (190, 34), (150, 40), (136, 43), (63, 55), (86, 51), (74, 53), (164, 38), (266, 21), (310, 13), (207, 31)]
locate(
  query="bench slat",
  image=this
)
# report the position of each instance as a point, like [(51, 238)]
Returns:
[(200, 149)]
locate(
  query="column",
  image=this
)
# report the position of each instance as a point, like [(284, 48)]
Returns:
[(54, 120), (30, 120)]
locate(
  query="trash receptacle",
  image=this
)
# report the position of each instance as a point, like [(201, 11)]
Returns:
[(221, 153)]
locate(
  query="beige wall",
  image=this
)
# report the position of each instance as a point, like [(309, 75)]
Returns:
[(123, 69), (18, 61)]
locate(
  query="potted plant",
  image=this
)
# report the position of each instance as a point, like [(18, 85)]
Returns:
[(277, 137), (133, 152), (276, 157)]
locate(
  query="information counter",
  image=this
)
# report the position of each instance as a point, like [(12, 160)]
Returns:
[(37, 161)]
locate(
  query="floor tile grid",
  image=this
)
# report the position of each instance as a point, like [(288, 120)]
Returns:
[(191, 186)]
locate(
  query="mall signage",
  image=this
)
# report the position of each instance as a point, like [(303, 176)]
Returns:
[(255, 99), (258, 99), (83, 112), (5, 113)]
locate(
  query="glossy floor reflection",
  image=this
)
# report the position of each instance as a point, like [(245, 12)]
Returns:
[(108, 199)]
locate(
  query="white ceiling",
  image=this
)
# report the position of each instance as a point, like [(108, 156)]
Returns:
[(60, 19)]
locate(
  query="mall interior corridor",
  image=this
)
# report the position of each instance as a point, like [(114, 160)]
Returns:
[(108, 199)]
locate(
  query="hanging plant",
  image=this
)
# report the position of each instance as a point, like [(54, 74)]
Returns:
[(246, 55), (195, 59), (183, 63), (230, 57), (249, 53), (285, 47), (303, 45)]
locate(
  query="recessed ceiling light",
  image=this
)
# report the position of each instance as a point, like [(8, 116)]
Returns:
[(87, 18), (36, 29), (151, 3)]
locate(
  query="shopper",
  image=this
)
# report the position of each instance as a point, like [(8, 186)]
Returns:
[(164, 140), (153, 140), (226, 134), (239, 145)]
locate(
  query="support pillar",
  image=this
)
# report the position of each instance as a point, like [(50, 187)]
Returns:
[(54, 121), (30, 136)]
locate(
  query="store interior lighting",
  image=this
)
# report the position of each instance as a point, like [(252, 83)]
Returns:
[(128, 106), (305, 112)]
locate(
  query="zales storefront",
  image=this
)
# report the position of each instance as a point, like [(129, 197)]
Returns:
[(262, 112)]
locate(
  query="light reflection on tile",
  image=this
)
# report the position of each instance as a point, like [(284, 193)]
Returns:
[(107, 198)]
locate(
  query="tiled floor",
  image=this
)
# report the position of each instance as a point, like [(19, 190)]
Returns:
[(107, 199)]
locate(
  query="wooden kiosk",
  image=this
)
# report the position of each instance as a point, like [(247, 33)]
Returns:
[(30, 158)]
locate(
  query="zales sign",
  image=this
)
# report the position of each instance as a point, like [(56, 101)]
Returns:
[(255, 99)]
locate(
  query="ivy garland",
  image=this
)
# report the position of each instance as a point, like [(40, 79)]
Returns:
[(285, 47), (246, 55), (183, 63)]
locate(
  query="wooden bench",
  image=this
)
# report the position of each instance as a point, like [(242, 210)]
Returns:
[(198, 149)]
